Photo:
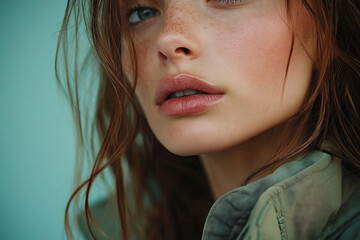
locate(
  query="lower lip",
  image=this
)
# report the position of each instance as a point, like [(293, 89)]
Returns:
[(189, 105)]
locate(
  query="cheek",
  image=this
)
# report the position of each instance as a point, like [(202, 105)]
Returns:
[(144, 63), (259, 48), (141, 59)]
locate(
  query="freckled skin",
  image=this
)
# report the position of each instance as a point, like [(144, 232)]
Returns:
[(243, 50), (175, 22)]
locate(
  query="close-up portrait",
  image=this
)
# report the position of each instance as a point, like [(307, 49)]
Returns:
[(215, 119), (211, 119)]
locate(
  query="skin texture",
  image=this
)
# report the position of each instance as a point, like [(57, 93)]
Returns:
[(241, 48)]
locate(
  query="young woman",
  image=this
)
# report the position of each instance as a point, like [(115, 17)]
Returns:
[(237, 119)]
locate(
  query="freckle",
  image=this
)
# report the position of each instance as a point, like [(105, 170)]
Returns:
[(175, 19)]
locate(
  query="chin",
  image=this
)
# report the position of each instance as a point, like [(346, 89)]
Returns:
[(192, 146), (182, 149), (190, 143), (185, 148)]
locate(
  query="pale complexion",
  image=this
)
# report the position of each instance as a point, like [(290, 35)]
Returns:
[(241, 47)]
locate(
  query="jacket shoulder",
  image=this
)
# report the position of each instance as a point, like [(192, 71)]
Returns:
[(347, 221)]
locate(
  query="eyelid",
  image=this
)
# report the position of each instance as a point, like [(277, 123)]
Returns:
[(141, 4), (226, 3), (132, 8), (139, 7)]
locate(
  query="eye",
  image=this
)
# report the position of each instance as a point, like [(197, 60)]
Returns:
[(141, 14)]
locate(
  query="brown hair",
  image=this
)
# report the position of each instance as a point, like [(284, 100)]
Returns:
[(330, 111)]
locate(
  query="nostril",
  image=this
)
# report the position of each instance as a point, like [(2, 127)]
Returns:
[(184, 50), (162, 56)]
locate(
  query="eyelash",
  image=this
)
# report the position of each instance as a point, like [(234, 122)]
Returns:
[(139, 7), (229, 1), (136, 8)]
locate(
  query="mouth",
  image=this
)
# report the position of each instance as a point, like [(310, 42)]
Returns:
[(184, 94), (182, 85), (189, 92)]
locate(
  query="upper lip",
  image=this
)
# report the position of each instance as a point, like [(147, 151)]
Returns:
[(182, 82)]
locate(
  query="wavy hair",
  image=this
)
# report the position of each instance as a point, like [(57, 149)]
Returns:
[(330, 111)]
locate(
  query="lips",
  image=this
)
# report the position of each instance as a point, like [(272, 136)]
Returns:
[(184, 94)]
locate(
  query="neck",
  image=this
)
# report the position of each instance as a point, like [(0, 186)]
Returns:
[(229, 169)]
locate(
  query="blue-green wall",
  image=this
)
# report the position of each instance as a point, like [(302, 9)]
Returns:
[(36, 135)]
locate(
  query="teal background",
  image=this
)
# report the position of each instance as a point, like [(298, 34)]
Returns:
[(36, 129)]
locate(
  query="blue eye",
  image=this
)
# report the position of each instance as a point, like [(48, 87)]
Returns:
[(141, 14)]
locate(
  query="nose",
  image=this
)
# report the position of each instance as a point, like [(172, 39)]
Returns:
[(177, 39)]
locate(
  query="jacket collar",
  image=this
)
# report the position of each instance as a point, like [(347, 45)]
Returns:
[(297, 200)]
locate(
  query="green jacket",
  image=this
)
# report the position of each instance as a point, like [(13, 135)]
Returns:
[(310, 198)]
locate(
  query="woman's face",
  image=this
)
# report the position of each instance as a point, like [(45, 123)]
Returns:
[(231, 55)]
